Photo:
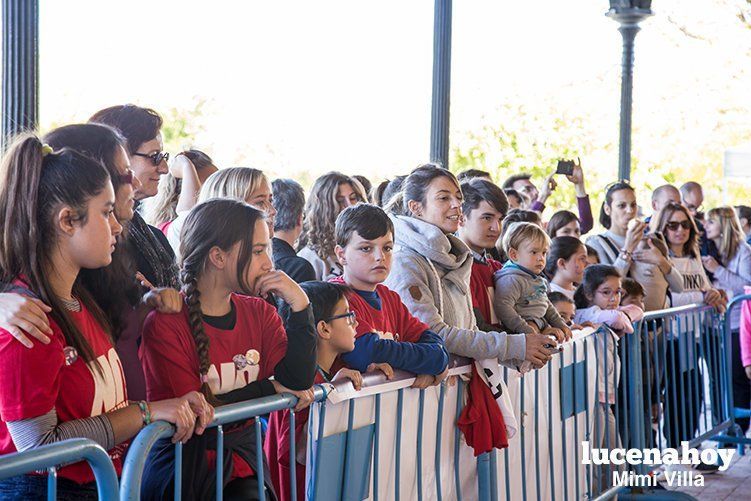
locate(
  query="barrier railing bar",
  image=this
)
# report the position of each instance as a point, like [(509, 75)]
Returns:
[(505, 453), (292, 457), (550, 421), (537, 433), (347, 452), (397, 475), (376, 439), (52, 482), (420, 411), (459, 402), (178, 478), (220, 463), (522, 435), (494, 474), (438, 434), (67, 451)]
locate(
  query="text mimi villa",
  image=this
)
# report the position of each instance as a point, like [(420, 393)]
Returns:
[(616, 458)]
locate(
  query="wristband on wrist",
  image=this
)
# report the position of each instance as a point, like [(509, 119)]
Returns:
[(145, 412), (625, 254)]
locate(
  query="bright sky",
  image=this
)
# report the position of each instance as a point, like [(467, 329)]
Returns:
[(305, 87)]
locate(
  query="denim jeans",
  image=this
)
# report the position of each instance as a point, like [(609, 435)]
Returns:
[(34, 487)]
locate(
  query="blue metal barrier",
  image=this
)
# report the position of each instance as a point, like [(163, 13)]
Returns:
[(68, 451), (135, 461)]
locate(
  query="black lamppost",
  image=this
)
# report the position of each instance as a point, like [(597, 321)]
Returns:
[(20, 95), (628, 13), (439, 116)]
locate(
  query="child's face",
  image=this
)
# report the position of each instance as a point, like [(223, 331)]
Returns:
[(530, 255), (366, 263), (608, 294), (633, 299), (569, 230), (574, 266), (482, 227), (566, 310), (340, 329)]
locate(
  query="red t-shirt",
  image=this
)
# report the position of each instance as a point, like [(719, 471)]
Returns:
[(393, 317), (33, 381), (170, 360), (482, 287)]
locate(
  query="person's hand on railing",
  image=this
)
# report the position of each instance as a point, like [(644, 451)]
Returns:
[(24, 316), (178, 412), (278, 283), (387, 370), (714, 298), (422, 381), (540, 349), (534, 327), (439, 378), (353, 375), (203, 410), (304, 397)]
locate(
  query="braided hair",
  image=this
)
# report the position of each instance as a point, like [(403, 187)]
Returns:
[(221, 223)]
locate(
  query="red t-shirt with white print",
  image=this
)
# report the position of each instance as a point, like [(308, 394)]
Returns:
[(170, 360), (33, 381)]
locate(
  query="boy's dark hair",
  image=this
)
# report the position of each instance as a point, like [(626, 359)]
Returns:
[(289, 201), (632, 288), (744, 212), (594, 276), (591, 251), (559, 297), (480, 190), (393, 188), (323, 298), (368, 220), (509, 182), (138, 125), (469, 174)]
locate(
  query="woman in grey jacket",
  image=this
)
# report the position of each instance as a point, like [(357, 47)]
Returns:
[(432, 268)]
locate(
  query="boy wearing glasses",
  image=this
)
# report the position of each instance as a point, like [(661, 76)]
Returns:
[(386, 331), (335, 327)]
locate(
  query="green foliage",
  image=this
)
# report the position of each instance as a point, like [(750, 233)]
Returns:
[(181, 126)]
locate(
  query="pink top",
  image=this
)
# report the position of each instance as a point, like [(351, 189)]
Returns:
[(746, 329)]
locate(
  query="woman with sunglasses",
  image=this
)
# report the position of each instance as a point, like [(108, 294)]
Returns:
[(146, 244)]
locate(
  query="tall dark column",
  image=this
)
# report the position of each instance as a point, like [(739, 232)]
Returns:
[(628, 18), (20, 96), (439, 123)]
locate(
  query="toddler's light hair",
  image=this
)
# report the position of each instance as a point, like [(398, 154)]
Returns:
[(519, 233)]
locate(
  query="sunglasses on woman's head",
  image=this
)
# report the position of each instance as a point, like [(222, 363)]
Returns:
[(674, 225), (155, 157)]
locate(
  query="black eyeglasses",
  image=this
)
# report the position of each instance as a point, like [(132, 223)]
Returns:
[(126, 178), (350, 316), (674, 225), (155, 157)]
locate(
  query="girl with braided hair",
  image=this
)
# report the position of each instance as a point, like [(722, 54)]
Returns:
[(228, 342)]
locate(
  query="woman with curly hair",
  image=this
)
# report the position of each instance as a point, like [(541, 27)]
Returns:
[(332, 193)]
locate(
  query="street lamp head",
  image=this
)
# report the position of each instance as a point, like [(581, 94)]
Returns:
[(618, 6)]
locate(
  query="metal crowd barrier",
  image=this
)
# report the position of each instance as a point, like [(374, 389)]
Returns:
[(51, 456)]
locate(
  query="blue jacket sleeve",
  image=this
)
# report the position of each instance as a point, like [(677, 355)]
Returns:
[(424, 357)]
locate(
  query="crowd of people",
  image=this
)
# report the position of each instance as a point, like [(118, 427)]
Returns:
[(137, 290)]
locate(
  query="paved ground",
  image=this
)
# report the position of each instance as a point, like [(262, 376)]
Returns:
[(734, 483)]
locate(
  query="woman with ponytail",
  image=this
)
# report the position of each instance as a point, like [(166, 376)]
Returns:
[(57, 215), (228, 341)]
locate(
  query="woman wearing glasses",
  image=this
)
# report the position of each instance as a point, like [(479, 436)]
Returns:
[(675, 223)]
